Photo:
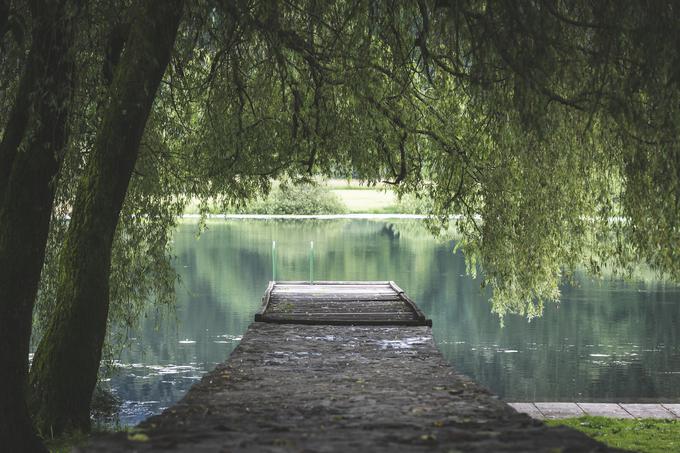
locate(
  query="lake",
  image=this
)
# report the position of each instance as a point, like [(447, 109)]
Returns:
[(607, 341)]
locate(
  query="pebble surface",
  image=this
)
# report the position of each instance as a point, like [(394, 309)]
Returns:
[(299, 388)]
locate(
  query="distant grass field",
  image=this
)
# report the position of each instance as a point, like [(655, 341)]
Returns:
[(351, 184), (644, 435), (361, 198), (368, 200), (358, 198)]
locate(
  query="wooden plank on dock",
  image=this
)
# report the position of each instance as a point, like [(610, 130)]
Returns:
[(339, 303), (356, 306), (336, 296)]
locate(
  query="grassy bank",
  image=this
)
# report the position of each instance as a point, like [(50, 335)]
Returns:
[(644, 435), (352, 197), (369, 201)]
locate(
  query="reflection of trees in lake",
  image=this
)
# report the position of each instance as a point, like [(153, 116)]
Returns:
[(226, 270), (591, 345)]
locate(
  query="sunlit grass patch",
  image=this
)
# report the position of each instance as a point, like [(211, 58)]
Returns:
[(643, 435), (373, 201)]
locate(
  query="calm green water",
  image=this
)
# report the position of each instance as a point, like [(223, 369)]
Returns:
[(606, 341)]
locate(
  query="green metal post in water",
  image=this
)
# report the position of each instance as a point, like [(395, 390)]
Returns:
[(273, 260), (311, 262)]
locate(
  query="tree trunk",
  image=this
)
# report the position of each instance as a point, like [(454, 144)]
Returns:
[(66, 364), (38, 124)]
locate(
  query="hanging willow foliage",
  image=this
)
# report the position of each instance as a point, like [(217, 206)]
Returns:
[(544, 131)]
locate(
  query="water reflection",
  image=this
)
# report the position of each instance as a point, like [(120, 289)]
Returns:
[(609, 341)]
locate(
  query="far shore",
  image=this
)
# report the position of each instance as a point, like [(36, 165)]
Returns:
[(302, 217)]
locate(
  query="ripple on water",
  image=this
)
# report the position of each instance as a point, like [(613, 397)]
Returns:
[(227, 339), (149, 388)]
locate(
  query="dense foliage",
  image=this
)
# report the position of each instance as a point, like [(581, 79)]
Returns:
[(299, 199)]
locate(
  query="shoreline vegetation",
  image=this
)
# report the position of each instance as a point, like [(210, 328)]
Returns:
[(335, 197), (304, 216)]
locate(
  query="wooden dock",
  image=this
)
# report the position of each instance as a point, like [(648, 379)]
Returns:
[(339, 303), (336, 367)]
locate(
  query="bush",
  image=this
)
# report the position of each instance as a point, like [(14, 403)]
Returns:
[(302, 199), (411, 204)]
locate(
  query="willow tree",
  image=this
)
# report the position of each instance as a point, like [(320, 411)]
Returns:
[(546, 130), (75, 333), (32, 148), (565, 127)]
